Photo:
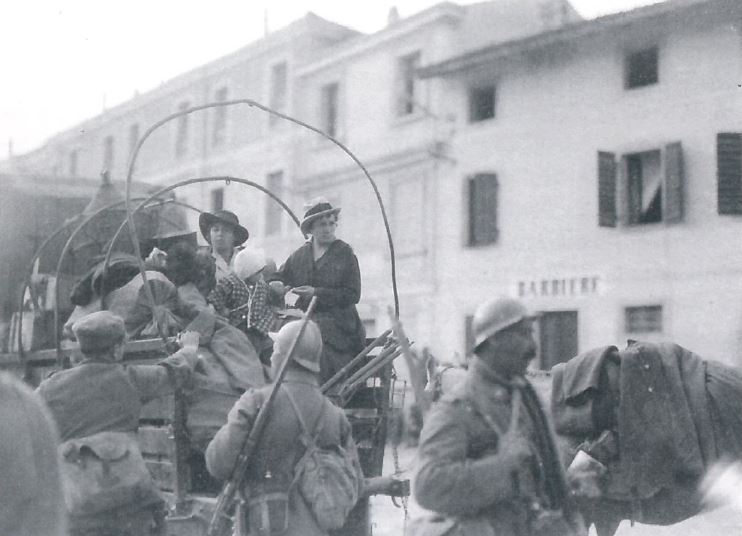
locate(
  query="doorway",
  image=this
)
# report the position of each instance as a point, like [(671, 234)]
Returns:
[(557, 336)]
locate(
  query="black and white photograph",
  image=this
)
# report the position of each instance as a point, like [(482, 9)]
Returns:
[(415, 268)]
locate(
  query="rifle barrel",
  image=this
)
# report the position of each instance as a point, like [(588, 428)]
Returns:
[(218, 525), (339, 375)]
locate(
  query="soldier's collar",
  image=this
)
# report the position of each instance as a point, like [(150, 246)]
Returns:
[(482, 370)]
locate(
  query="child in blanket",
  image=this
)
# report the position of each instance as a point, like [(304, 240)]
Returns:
[(243, 298)]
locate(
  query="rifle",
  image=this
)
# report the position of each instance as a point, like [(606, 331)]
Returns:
[(221, 523)]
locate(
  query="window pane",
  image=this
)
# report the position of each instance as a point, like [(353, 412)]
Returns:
[(408, 202), (729, 172), (482, 209), (278, 90), (407, 81), (644, 319), (645, 182), (217, 199), (274, 183), (641, 68), (330, 109), (481, 103)]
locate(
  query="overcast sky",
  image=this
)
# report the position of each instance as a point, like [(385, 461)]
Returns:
[(64, 60)]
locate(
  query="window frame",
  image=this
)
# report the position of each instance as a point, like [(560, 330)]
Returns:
[(628, 309), (629, 82), (217, 199), (324, 108), (614, 191), (481, 89), (273, 97), (729, 173), (273, 213), (407, 85), (470, 196)]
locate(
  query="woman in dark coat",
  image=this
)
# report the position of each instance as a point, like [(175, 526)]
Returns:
[(327, 268)]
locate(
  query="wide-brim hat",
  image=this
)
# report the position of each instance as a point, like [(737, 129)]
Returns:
[(207, 219), (317, 209)]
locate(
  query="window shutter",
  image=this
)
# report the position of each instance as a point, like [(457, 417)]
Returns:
[(606, 189), (674, 183), (468, 335), (624, 209), (729, 172), (483, 209)]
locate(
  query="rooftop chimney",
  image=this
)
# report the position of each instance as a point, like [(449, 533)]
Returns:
[(393, 16)]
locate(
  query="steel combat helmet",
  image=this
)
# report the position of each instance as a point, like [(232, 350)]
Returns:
[(495, 315)]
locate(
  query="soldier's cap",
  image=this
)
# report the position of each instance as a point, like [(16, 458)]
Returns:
[(99, 331)]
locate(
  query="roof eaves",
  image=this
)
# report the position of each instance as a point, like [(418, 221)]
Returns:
[(365, 42), (477, 57)]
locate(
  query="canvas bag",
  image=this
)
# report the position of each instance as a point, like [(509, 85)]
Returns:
[(104, 471), (326, 477)]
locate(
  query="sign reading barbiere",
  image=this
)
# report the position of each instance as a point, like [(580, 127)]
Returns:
[(558, 287)]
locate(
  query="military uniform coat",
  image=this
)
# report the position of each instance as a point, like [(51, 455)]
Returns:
[(279, 448), (102, 396), (461, 473)]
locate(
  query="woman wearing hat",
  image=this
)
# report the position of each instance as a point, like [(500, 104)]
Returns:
[(223, 232), (327, 268)]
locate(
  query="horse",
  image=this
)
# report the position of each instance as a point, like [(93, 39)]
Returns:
[(645, 495)]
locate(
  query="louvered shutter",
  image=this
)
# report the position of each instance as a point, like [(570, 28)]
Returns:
[(606, 189), (729, 172), (482, 209), (674, 183), (468, 334)]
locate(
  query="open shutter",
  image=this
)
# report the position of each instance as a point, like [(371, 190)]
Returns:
[(729, 172), (606, 189), (674, 183)]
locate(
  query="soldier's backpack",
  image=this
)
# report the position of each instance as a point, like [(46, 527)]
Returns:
[(329, 478), (104, 471)]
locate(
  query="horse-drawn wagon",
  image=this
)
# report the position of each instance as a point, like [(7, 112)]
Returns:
[(364, 388)]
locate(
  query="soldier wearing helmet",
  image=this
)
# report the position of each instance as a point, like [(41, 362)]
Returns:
[(487, 459), (269, 476)]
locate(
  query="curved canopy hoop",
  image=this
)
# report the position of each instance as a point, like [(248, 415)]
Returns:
[(255, 104), (63, 254), (27, 281)]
